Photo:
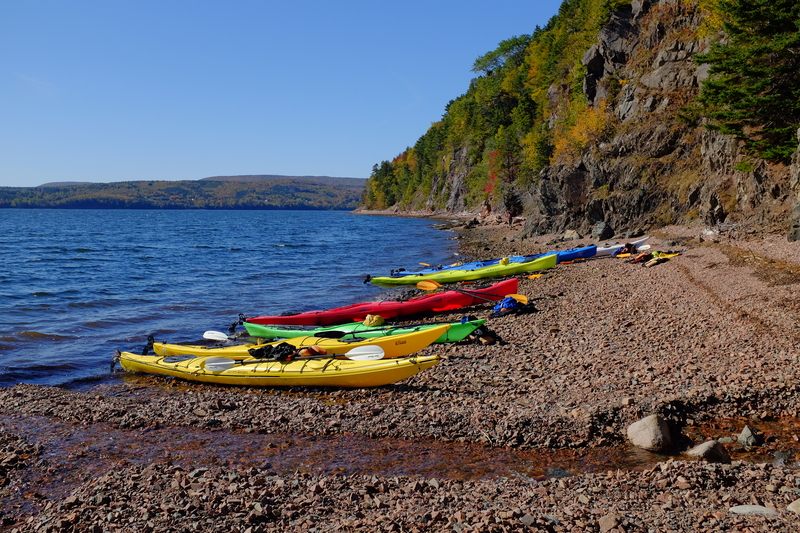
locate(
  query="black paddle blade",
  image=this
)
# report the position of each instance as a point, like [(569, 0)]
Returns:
[(332, 334), (115, 359), (239, 321), (149, 345)]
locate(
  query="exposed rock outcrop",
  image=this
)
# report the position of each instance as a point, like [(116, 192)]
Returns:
[(659, 166), (794, 185)]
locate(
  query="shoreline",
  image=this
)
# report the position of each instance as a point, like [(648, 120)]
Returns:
[(707, 336)]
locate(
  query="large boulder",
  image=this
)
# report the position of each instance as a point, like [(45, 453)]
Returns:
[(650, 433)]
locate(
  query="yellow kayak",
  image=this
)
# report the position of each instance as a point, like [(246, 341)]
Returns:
[(392, 345), (310, 372)]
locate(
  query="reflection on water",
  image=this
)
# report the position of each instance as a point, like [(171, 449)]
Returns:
[(779, 440)]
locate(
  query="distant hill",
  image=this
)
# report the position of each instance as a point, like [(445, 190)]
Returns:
[(359, 182), (220, 192), (64, 183)]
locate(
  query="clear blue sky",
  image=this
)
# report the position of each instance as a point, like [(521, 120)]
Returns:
[(110, 90)]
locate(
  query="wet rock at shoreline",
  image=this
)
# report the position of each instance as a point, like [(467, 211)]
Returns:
[(711, 451), (650, 433), (748, 438)]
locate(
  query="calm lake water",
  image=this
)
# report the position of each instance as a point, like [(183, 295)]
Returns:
[(76, 284)]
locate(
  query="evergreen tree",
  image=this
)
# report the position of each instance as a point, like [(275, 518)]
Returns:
[(753, 90)]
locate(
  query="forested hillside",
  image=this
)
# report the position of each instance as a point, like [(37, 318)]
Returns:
[(632, 114), (221, 192)]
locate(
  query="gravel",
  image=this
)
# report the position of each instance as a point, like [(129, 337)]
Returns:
[(706, 337)]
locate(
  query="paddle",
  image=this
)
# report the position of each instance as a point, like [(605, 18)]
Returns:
[(361, 353), (215, 336), (430, 285)]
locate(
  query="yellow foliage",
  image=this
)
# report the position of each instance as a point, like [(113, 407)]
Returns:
[(571, 140), (509, 81), (712, 16), (616, 4), (528, 144)]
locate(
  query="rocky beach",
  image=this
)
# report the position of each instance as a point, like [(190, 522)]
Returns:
[(706, 340)]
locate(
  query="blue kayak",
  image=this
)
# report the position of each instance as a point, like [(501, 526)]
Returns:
[(576, 253)]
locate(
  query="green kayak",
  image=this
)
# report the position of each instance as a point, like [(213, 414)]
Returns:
[(458, 330), (452, 276)]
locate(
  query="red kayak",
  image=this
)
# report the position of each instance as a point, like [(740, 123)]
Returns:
[(437, 303)]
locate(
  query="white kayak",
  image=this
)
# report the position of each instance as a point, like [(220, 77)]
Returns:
[(609, 250)]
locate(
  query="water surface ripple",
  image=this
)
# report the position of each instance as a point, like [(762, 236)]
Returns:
[(76, 284)]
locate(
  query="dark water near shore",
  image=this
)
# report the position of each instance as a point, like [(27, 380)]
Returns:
[(76, 284)]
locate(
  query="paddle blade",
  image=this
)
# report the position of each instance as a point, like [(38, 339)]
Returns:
[(428, 285), (369, 352), (521, 298), (215, 336), (219, 364), (332, 334), (433, 282), (425, 264)]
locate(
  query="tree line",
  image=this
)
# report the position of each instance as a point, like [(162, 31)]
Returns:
[(276, 193)]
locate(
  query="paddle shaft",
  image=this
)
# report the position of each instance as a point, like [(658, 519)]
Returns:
[(299, 358), (478, 295)]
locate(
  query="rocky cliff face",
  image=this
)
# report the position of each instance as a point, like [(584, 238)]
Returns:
[(794, 185), (659, 166)]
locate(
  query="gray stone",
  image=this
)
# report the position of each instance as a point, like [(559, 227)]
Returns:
[(602, 231), (711, 451), (747, 437), (757, 510), (794, 506), (650, 433)]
